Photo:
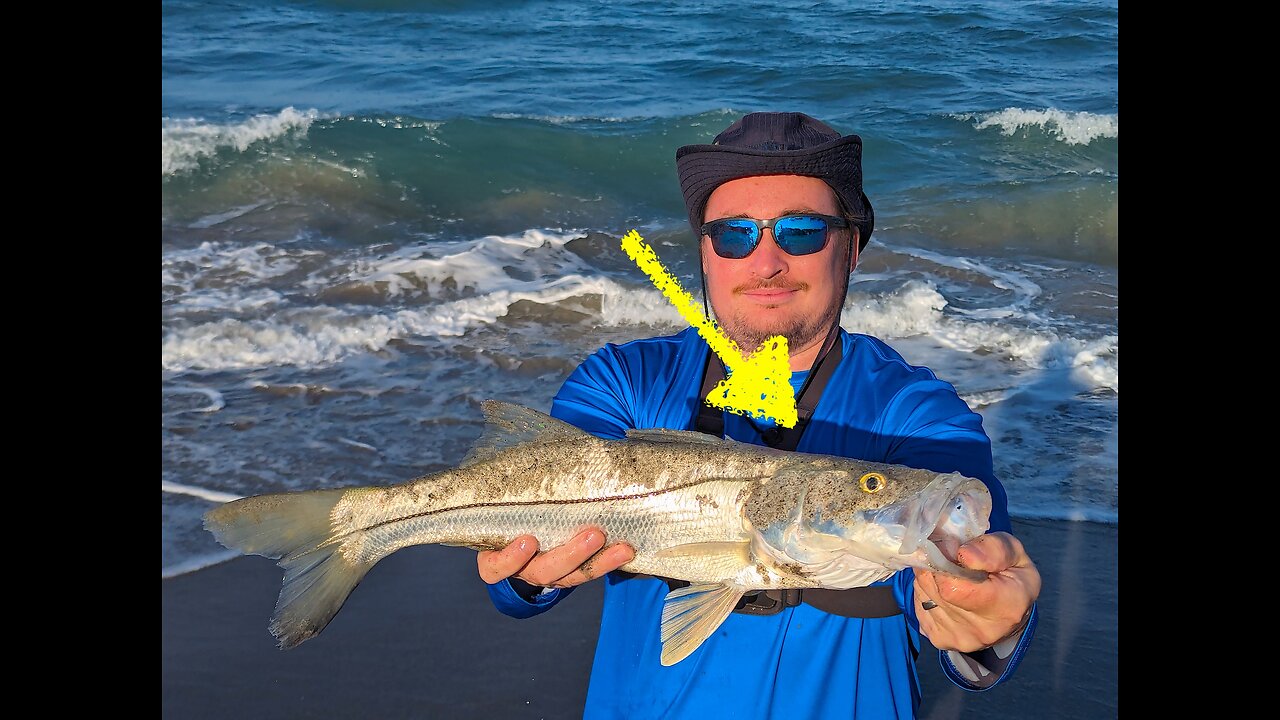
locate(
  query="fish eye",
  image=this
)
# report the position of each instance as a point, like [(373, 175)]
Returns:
[(872, 482)]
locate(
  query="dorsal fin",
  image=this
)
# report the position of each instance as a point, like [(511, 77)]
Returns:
[(507, 425)]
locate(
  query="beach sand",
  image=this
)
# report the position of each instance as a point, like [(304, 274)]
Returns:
[(419, 639)]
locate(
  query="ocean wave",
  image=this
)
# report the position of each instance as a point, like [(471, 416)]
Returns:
[(320, 336), (492, 262), (918, 308), (183, 141), (216, 276), (1073, 128)]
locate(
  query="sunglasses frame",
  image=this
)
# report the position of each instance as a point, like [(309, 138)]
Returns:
[(830, 220)]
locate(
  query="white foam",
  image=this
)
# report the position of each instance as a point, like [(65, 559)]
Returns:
[(183, 141), (917, 308), (357, 444), (494, 272), (1073, 128), (216, 401), (542, 271), (623, 306), (319, 336), (914, 309), (225, 277), (216, 496), (397, 122), (566, 119), (259, 261), (196, 563), (472, 264), (1024, 291), (209, 221)]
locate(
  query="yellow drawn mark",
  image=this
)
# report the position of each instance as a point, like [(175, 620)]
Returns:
[(760, 385)]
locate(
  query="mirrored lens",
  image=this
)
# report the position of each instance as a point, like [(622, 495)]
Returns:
[(734, 239), (801, 235)]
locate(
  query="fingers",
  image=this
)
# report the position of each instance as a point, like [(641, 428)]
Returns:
[(924, 600), (584, 557), (607, 560), (945, 589), (968, 615), (557, 562), (498, 565), (993, 552)]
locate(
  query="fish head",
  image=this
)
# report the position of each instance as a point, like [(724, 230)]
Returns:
[(857, 524)]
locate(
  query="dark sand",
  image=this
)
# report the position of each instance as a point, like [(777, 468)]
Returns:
[(419, 639)]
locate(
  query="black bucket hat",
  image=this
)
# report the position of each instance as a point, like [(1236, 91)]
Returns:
[(776, 143)]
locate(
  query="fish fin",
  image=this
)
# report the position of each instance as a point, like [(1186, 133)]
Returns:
[(740, 551), (690, 614), (664, 435), (275, 525), (507, 425), (297, 529)]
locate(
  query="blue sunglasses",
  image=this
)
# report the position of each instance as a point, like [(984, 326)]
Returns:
[(736, 238)]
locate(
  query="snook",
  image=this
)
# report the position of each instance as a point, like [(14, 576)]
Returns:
[(729, 517)]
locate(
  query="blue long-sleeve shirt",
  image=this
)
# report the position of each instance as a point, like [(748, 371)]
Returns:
[(801, 662)]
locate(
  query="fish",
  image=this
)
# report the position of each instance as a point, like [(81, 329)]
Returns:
[(726, 516)]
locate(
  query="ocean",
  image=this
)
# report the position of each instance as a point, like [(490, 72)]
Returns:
[(375, 215)]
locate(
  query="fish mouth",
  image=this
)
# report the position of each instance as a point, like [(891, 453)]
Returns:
[(923, 530), (952, 510)]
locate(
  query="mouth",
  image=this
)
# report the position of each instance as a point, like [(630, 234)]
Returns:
[(771, 296), (953, 511), (924, 530)]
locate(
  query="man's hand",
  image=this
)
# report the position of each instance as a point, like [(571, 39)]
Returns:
[(584, 557), (970, 615)]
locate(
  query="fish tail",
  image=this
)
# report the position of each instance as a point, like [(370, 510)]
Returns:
[(302, 532)]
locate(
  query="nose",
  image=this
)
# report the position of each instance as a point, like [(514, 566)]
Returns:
[(768, 260)]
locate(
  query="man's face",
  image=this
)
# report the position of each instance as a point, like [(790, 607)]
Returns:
[(770, 292)]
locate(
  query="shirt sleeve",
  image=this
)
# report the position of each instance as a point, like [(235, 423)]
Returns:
[(984, 669), (509, 602), (597, 397)]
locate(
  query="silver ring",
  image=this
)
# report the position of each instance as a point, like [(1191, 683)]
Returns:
[(928, 604)]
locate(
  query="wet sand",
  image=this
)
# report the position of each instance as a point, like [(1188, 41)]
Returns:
[(419, 639)]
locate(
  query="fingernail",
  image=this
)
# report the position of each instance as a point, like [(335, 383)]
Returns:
[(524, 544), (590, 537)]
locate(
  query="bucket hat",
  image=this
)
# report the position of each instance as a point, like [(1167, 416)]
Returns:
[(776, 143)]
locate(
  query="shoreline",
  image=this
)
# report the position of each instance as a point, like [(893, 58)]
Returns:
[(419, 638)]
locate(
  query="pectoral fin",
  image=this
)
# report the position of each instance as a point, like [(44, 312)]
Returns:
[(691, 614)]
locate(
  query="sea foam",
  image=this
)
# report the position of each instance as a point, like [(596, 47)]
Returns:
[(183, 141), (1073, 128)]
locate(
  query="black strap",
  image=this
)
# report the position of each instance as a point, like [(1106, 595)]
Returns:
[(710, 419), (863, 602), (875, 601)]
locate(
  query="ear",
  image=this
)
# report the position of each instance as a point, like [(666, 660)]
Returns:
[(853, 248)]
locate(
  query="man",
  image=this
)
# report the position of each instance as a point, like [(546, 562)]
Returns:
[(778, 205)]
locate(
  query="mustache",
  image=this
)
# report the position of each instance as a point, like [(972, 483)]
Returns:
[(768, 284)]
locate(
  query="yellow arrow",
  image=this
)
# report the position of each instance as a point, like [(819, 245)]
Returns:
[(758, 386)]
